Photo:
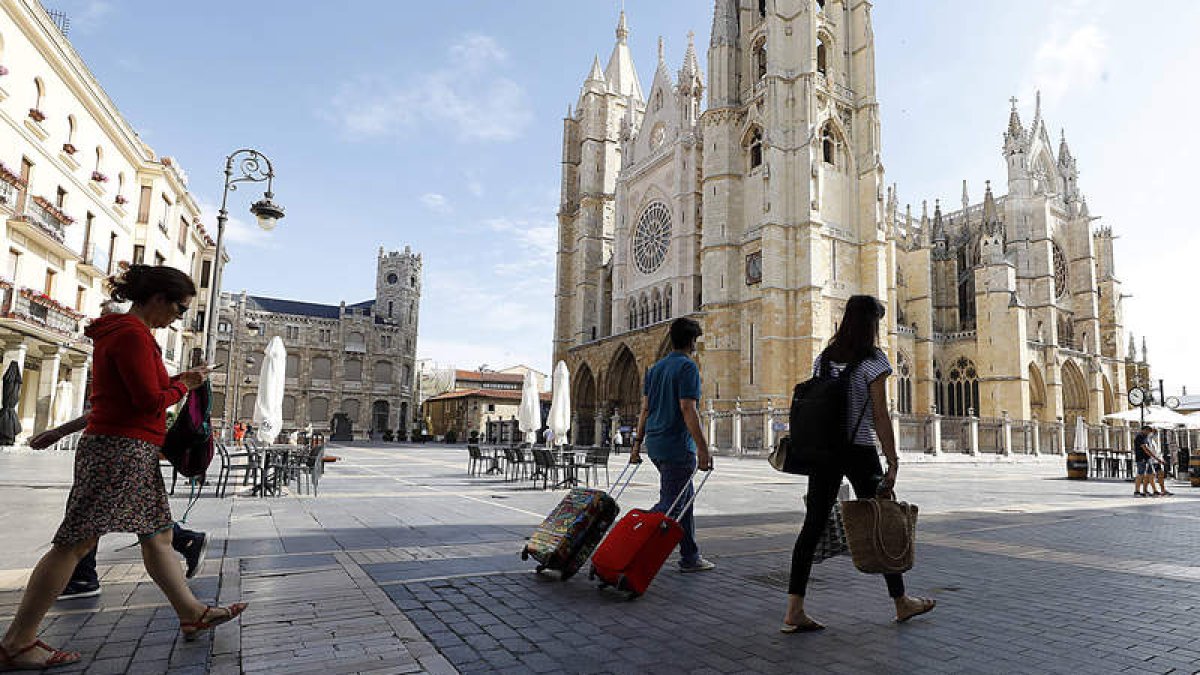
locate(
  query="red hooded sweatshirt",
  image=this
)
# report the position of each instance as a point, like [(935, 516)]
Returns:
[(130, 387)]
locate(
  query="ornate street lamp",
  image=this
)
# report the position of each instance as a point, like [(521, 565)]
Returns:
[(252, 167)]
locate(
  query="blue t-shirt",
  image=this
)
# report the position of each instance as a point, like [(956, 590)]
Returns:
[(673, 378)]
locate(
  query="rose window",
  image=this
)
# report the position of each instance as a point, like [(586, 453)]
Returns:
[(1060, 272), (652, 238)]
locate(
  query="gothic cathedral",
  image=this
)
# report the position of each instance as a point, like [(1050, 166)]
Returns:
[(762, 209)]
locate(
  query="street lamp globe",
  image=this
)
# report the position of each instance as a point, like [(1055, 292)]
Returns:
[(267, 212)]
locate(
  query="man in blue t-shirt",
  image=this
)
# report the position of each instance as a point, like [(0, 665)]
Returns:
[(669, 428)]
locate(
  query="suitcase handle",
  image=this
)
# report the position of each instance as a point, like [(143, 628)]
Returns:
[(695, 493), (621, 488)]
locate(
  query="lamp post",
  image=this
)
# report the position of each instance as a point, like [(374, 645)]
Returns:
[(251, 167)]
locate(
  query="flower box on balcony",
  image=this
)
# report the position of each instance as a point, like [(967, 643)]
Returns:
[(11, 178), (37, 115), (68, 148), (53, 210), (47, 301), (3, 71), (121, 200), (99, 177)]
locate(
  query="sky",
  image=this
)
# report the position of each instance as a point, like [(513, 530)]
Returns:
[(438, 126)]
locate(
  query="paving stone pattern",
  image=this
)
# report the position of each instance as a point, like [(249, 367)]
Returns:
[(404, 564)]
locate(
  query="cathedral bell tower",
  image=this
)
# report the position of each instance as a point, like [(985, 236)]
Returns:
[(610, 99), (793, 212)]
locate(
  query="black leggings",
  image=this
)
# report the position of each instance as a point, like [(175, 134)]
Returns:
[(861, 465)]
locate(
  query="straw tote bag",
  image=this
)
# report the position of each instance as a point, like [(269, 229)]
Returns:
[(882, 534)]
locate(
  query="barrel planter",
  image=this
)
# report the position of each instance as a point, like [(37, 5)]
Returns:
[(1077, 465), (1194, 470)]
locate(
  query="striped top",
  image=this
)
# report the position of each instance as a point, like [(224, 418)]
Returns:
[(860, 380)]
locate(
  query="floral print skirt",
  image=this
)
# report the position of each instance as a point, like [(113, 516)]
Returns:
[(117, 488)]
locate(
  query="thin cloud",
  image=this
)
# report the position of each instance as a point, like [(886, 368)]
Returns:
[(470, 96), (435, 202), (237, 231)]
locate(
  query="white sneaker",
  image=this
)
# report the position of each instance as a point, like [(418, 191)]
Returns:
[(701, 565)]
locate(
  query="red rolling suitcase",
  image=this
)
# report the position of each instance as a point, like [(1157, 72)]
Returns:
[(630, 557), (567, 537)]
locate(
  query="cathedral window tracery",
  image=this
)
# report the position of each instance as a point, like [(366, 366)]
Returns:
[(667, 303), (831, 146), (961, 395), (904, 400), (652, 238), (760, 58), (1060, 271), (754, 147)]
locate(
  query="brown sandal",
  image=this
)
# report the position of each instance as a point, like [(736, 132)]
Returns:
[(927, 605), (57, 658), (193, 629)]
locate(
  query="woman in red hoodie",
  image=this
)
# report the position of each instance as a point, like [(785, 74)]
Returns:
[(118, 487)]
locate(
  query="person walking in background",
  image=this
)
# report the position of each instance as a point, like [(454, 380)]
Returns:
[(239, 433), (1147, 461), (1160, 456), (117, 485), (853, 347), (669, 427)]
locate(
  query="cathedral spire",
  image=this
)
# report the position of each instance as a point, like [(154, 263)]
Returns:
[(966, 199), (991, 216), (725, 23), (1132, 348), (1064, 152), (939, 229), (620, 73), (1015, 129), (1037, 111), (691, 65), (1145, 354)]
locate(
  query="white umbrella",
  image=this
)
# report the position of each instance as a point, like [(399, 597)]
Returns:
[(268, 407), (1157, 416), (560, 404), (1081, 439), (62, 404), (529, 415)]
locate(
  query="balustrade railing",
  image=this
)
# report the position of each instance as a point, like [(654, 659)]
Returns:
[(45, 220), (991, 435), (1048, 437), (914, 434), (956, 435)]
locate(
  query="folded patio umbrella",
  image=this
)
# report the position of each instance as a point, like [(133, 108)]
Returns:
[(1081, 436), (62, 403), (529, 415), (268, 407), (10, 424), (559, 420)]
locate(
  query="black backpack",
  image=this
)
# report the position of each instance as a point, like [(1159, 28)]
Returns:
[(817, 422), (189, 442)]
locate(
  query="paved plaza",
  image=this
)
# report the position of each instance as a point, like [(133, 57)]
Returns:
[(406, 564)]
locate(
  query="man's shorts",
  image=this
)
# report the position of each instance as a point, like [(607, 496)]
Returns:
[(1147, 467)]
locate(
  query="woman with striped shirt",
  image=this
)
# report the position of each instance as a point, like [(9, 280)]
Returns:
[(867, 424)]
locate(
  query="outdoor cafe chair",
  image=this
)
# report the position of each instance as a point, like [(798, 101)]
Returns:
[(474, 459), (597, 458), (309, 466), (523, 460), (545, 467), (230, 465)]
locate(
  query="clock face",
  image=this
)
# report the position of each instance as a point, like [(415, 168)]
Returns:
[(754, 268), (392, 278), (1136, 396)]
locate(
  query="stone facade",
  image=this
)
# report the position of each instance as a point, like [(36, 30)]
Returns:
[(761, 211), (79, 192), (356, 359)]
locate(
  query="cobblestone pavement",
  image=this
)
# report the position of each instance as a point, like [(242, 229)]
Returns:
[(405, 564)]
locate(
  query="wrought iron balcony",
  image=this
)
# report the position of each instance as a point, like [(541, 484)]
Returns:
[(31, 307), (46, 221)]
